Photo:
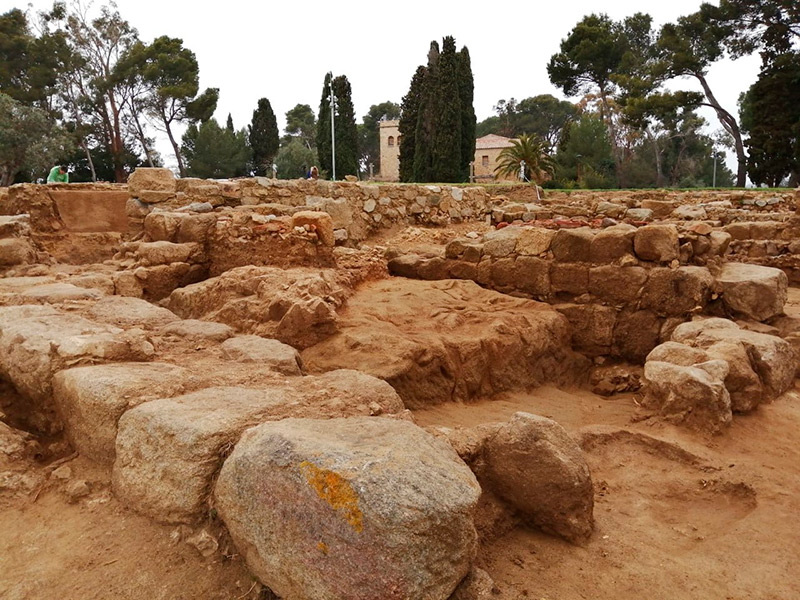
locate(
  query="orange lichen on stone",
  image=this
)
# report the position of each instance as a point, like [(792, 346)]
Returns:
[(323, 547), (336, 491)]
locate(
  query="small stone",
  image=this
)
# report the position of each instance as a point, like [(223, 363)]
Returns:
[(63, 473), (75, 490), (701, 228), (204, 543), (198, 207), (369, 206)]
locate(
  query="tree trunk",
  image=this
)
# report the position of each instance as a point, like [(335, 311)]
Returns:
[(140, 132), (176, 148), (6, 176), (612, 132), (116, 142), (730, 125), (89, 159), (657, 153)]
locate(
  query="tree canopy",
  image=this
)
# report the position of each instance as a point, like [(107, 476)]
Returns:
[(263, 137), (345, 130), (437, 125)]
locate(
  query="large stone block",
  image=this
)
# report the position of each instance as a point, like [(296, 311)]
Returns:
[(501, 242), (162, 226), (695, 396), (533, 276), (128, 312), (16, 251), (569, 277), (151, 179), (319, 222), (592, 327), (169, 450), (673, 292), (534, 241), (617, 285), (534, 465), (658, 243), (753, 291), (769, 357), (636, 333), (36, 344), (349, 509), (337, 208), (573, 245), (268, 353), (612, 244), (165, 253), (91, 400), (678, 354)]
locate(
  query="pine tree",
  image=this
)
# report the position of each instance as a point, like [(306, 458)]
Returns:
[(466, 89), (408, 124), (345, 128), (446, 139), (263, 136), (324, 127)]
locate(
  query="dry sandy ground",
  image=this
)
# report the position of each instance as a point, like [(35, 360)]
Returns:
[(695, 518)]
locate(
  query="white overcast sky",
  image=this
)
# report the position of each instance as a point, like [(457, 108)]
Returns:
[(282, 50)]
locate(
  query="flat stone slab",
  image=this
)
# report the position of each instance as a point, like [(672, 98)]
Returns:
[(91, 400), (169, 450), (438, 341), (84, 211)]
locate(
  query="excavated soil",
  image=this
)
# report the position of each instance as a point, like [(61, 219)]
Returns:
[(677, 516)]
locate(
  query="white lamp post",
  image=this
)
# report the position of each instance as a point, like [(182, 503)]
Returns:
[(332, 99)]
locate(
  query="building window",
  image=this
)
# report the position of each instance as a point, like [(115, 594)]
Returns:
[(391, 140), (485, 160)]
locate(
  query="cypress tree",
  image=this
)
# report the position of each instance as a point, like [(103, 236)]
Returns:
[(408, 124), (324, 127), (446, 103), (263, 136), (426, 119), (345, 128), (229, 124), (466, 89)]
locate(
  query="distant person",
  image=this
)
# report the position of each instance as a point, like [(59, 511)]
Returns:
[(313, 173), (58, 174)]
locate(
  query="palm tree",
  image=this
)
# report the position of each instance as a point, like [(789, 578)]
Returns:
[(529, 153)]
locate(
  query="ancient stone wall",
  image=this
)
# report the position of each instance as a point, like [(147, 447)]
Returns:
[(622, 288)]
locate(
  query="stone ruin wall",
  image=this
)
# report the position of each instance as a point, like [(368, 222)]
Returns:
[(624, 271), (580, 251)]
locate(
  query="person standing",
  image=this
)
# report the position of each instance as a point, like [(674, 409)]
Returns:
[(58, 174)]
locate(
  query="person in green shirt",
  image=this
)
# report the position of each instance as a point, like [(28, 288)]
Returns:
[(58, 174)]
